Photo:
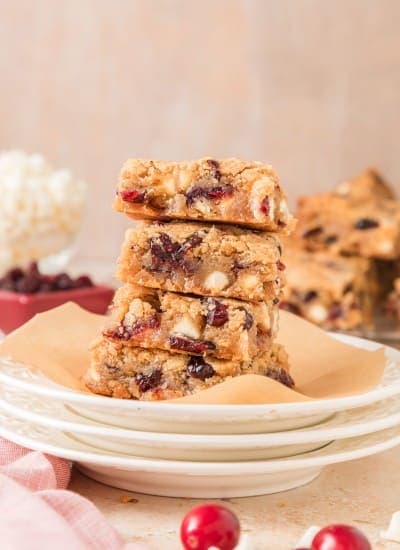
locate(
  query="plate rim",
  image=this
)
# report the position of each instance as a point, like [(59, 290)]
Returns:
[(313, 434), (255, 467)]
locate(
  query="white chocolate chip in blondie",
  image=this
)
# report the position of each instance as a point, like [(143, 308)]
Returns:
[(249, 281), (187, 327), (386, 247), (216, 281), (317, 313), (260, 190)]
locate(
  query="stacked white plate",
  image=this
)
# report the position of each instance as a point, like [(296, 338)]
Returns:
[(199, 451)]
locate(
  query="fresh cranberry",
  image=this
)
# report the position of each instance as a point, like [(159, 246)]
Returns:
[(199, 368), (190, 345), (340, 537), (264, 207), (147, 382), (217, 314), (133, 195), (210, 525)]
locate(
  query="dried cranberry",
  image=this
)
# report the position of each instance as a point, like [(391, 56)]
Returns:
[(147, 382), (190, 345), (313, 232), (335, 312), (280, 375), (14, 274), (63, 282), (198, 368), (214, 166), (310, 295), (290, 306), (210, 193), (281, 266), (133, 195), (331, 239), (83, 281), (275, 301), (237, 266), (264, 207), (217, 314), (248, 319), (123, 332), (366, 223), (29, 284), (168, 255)]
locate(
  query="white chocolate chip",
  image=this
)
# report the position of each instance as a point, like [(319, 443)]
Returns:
[(216, 281), (308, 537), (261, 190), (393, 531), (317, 313), (187, 327), (385, 247), (93, 374), (169, 185), (343, 188), (249, 281)]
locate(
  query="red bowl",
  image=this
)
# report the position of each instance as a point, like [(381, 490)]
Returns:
[(16, 309)]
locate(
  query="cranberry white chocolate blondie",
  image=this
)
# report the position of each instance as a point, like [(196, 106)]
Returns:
[(392, 306), (226, 190), (369, 185), (222, 327), (209, 260), (126, 372), (368, 228), (335, 292)]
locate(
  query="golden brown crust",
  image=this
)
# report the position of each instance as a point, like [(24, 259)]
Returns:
[(224, 190), (207, 260), (222, 327), (135, 373)]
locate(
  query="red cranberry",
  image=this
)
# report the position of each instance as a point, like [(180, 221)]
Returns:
[(281, 266), (290, 306), (340, 537), (168, 255), (147, 382), (84, 281), (313, 232), (265, 206), (123, 332), (134, 195), (210, 525), (63, 282), (217, 192), (217, 314), (198, 368), (366, 223), (189, 345)]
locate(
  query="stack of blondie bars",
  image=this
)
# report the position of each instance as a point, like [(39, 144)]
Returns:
[(344, 253), (202, 280)]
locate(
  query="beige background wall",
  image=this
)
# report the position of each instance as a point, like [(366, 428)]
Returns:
[(311, 86)]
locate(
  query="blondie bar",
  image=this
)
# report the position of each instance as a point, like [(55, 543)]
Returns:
[(392, 306), (334, 292), (369, 228), (126, 372), (226, 190), (221, 328), (209, 260), (369, 185)]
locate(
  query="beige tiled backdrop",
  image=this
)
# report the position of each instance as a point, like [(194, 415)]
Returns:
[(311, 86)]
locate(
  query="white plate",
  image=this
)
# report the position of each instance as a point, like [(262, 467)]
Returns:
[(195, 479), (197, 419), (345, 424)]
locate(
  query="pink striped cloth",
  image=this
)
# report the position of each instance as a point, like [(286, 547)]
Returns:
[(38, 513)]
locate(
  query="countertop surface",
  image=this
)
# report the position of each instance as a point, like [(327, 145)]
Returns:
[(364, 493)]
